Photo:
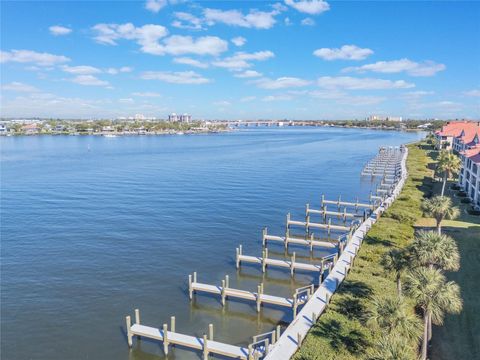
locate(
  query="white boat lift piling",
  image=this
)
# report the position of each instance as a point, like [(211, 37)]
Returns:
[(309, 225), (326, 263), (205, 344), (300, 296), (307, 241)]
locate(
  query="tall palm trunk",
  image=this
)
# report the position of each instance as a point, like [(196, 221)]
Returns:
[(425, 337), (444, 183), (429, 327), (439, 226)]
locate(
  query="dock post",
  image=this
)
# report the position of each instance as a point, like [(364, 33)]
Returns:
[(312, 291), (339, 201), (227, 281), (194, 276), (259, 300), (237, 259), (311, 242), (137, 316), (250, 352), (205, 347), (288, 221), (210, 332), (190, 287), (129, 331), (322, 269), (314, 317), (307, 210), (165, 339), (264, 234), (223, 293), (335, 259), (292, 264), (327, 301), (299, 339), (172, 323), (264, 259), (323, 200), (344, 215), (267, 345), (295, 296), (287, 235), (329, 224), (278, 332)]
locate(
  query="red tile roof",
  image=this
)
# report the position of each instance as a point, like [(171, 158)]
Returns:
[(454, 128)]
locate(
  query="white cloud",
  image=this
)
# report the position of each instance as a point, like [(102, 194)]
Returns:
[(281, 83), (146, 94), (343, 98), (155, 5), (58, 30), (222, 103), (240, 60), (475, 92), (254, 19), (89, 80), (346, 52), (126, 101), (287, 21), (28, 56), (19, 87), (281, 97), (427, 68), (248, 98), (248, 74), (115, 71), (81, 70), (308, 22), (191, 62), (311, 7), (148, 37), (239, 41), (351, 83), (186, 20), (205, 45), (182, 77)]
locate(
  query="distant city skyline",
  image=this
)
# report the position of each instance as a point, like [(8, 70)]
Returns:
[(294, 59)]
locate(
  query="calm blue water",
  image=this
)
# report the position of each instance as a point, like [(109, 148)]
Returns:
[(93, 227)]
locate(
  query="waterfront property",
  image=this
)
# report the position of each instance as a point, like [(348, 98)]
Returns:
[(314, 302)]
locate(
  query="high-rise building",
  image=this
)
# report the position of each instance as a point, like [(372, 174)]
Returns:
[(173, 117)]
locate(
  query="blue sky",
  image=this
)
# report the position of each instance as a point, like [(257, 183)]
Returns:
[(295, 59)]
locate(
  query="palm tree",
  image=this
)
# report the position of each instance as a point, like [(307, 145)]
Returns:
[(393, 317), (392, 348), (396, 261), (449, 164), (440, 208), (434, 296), (435, 250)]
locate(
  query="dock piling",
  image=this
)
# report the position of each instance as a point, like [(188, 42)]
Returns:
[(190, 288), (165, 339), (210, 332), (172, 323), (292, 264), (137, 316), (205, 347), (129, 331)]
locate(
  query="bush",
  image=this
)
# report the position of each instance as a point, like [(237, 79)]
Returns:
[(461, 194), (472, 211), (466, 201), (455, 187)]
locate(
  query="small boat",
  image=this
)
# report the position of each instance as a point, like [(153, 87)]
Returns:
[(180, 133)]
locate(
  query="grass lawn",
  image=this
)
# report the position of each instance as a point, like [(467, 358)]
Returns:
[(459, 338), (342, 332)]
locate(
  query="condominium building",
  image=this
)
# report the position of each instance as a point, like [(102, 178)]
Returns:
[(446, 135), (173, 117), (467, 145)]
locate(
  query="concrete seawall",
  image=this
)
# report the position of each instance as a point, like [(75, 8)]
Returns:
[(292, 337)]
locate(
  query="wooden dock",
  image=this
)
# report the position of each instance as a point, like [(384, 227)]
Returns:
[(205, 344), (307, 241), (325, 264), (355, 205), (300, 296), (312, 225)]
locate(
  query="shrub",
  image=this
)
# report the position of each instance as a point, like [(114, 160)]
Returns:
[(466, 201), (461, 194), (455, 187), (472, 211)]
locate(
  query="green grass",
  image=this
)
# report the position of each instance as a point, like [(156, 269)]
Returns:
[(459, 338), (342, 332)]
